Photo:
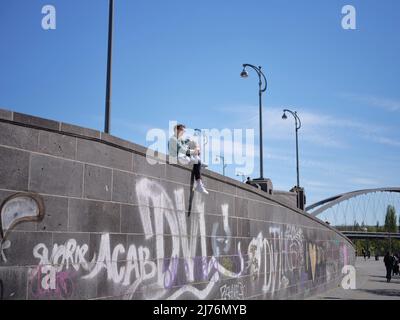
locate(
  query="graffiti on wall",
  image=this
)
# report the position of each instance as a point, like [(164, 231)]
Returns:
[(173, 260), (234, 291), (51, 284), (16, 209)]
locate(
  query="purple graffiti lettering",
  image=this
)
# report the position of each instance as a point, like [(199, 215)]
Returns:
[(64, 287)]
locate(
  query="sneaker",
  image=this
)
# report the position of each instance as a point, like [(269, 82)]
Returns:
[(200, 187), (194, 187)]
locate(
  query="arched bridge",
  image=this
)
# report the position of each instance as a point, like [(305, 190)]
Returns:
[(323, 205), (370, 235)]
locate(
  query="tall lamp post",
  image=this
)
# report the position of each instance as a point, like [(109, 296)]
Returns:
[(223, 163), (298, 126), (109, 67), (240, 174), (262, 88), (204, 141)]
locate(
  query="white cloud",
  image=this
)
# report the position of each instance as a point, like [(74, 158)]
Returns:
[(364, 181), (318, 129), (316, 184), (276, 156), (314, 126), (374, 101), (386, 141)]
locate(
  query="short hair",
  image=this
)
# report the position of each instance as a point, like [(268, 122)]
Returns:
[(179, 127)]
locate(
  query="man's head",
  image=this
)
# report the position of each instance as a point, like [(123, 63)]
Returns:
[(179, 130)]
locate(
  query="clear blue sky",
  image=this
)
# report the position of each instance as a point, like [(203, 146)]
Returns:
[(181, 60)]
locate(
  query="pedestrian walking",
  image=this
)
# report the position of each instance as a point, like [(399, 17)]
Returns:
[(395, 265), (388, 260)]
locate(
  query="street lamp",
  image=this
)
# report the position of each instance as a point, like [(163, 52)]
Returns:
[(109, 62), (240, 174), (223, 163), (262, 88), (204, 141), (298, 126)]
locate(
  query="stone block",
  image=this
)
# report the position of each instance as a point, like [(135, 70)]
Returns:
[(57, 144), (97, 183), (86, 132), (56, 214), (131, 221), (102, 154), (241, 207), (93, 216), (36, 121), (55, 176), (143, 167), (14, 169), (225, 201), (23, 243), (13, 283), (124, 187), (178, 174), (5, 114), (123, 143), (19, 137)]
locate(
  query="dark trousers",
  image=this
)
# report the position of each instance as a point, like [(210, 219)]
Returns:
[(197, 170), (395, 269), (388, 272)]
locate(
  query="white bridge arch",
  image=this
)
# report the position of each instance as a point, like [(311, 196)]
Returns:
[(356, 203)]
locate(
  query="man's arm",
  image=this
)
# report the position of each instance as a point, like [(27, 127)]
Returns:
[(184, 148)]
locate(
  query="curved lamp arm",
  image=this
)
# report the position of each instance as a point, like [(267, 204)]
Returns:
[(296, 117), (202, 134), (259, 72), (299, 125)]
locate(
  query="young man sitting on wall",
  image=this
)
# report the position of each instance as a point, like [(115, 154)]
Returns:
[(186, 152)]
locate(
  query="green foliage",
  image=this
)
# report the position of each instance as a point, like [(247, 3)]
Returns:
[(377, 246), (390, 219)]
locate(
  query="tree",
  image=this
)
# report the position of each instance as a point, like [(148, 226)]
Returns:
[(377, 226), (390, 219)]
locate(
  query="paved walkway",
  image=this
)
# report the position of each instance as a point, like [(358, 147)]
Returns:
[(370, 284)]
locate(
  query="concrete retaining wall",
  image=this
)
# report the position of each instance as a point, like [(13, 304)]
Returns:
[(84, 216)]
